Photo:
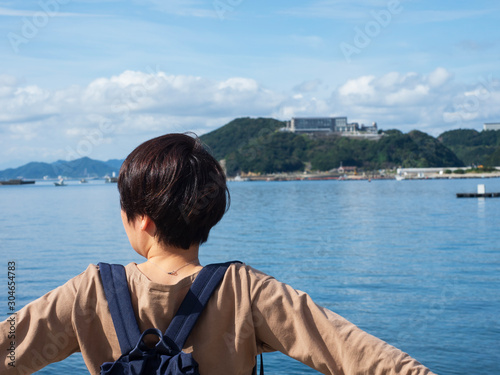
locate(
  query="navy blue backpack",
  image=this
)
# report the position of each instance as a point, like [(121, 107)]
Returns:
[(166, 357)]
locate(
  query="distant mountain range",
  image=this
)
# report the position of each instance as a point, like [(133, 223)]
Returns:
[(83, 167), (259, 145)]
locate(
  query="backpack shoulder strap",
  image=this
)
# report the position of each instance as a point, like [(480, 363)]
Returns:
[(114, 281), (193, 304)]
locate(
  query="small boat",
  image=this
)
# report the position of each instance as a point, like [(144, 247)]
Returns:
[(60, 183), (238, 178), (83, 181), (17, 182), (108, 179)]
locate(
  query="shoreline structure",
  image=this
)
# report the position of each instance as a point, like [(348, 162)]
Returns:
[(341, 174), (400, 174)]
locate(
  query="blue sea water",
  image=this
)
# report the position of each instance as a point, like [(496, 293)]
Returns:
[(406, 261)]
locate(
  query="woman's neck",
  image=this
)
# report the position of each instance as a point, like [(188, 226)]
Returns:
[(168, 265)]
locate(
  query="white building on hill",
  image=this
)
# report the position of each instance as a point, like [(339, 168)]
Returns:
[(328, 125), (492, 126), (316, 124)]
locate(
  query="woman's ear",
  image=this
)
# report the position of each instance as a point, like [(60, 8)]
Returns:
[(144, 222), (147, 224)]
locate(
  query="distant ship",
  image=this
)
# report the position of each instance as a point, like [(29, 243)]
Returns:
[(111, 179), (108, 179), (17, 182), (60, 182)]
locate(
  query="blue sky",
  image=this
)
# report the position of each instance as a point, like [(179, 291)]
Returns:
[(96, 78)]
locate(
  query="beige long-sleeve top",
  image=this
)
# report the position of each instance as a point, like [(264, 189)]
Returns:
[(248, 314)]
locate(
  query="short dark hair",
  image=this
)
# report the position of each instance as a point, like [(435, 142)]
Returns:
[(175, 181)]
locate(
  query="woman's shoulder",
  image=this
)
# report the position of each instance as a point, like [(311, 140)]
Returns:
[(242, 268), (241, 276), (247, 271), (91, 277)]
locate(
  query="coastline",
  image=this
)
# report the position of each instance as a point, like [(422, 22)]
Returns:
[(361, 177)]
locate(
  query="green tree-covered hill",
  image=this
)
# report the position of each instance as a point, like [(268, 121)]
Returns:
[(238, 133), (473, 147), (395, 149), (260, 145)]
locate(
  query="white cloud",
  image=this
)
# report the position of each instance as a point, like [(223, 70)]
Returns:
[(478, 103), (394, 88), (298, 105), (359, 87), (132, 103), (439, 77), (408, 96), (133, 106), (240, 84), (429, 102), (308, 86)]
